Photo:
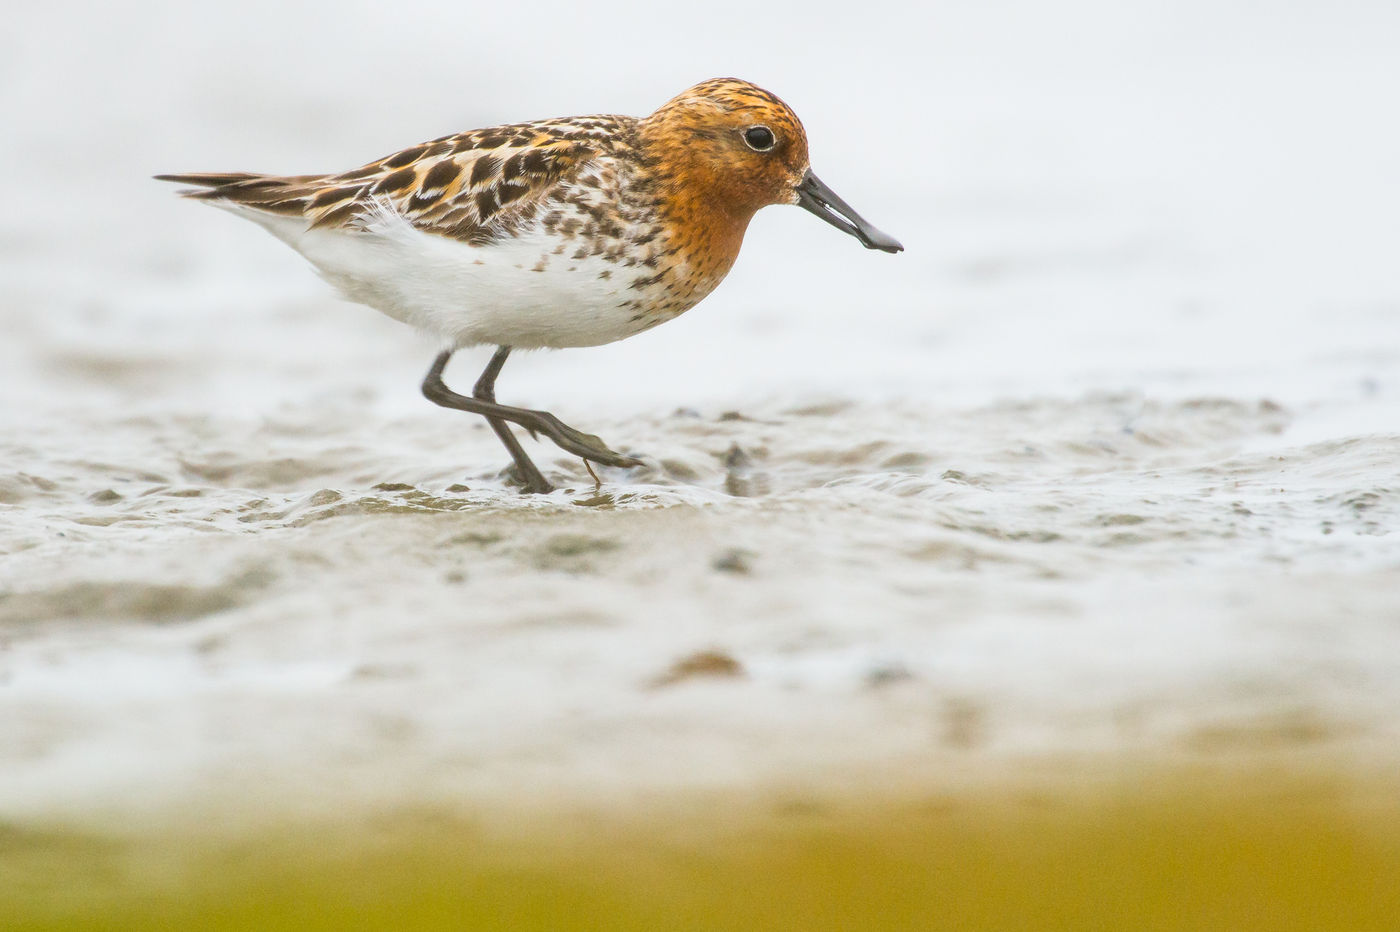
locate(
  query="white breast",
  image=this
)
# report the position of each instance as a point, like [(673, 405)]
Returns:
[(517, 291)]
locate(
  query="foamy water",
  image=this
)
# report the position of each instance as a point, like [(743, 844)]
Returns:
[(1106, 462)]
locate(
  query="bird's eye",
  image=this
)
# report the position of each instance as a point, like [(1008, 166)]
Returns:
[(760, 138)]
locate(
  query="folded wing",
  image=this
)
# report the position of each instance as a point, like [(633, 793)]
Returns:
[(476, 186)]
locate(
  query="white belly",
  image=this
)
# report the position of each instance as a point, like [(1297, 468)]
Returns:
[(514, 292)]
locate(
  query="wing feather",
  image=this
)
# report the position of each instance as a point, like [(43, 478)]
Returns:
[(476, 186)]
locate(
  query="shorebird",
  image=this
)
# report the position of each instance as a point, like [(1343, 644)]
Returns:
[(555, 233)]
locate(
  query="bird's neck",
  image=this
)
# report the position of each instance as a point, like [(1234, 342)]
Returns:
[(704, 214)]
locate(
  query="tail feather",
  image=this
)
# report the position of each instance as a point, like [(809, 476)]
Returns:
[(210, 179), (279, 194)]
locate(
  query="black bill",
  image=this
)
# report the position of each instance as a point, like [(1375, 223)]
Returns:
[(823, 202)]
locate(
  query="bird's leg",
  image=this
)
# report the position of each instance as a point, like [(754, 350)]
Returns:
[(485, 390), (587, 446), (483, 402)]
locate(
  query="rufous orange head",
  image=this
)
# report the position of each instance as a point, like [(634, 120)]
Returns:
[(726, 148)]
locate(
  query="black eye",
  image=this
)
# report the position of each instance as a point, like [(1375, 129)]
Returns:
[(760, 138)]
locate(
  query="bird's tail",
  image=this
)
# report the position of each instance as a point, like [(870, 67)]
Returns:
[(277, 194)]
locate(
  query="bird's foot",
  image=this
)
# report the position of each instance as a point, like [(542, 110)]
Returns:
[(587, 446)]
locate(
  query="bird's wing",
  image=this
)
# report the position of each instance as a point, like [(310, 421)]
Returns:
[(474, 186)]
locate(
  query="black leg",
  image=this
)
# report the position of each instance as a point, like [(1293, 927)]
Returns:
[(565, 437), (485, 390)]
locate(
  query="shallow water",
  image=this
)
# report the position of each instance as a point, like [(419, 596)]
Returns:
[(1103, 468), (215, 606)]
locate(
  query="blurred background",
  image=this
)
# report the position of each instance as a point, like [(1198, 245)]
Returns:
[(1068, 533), (1145, 190)]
